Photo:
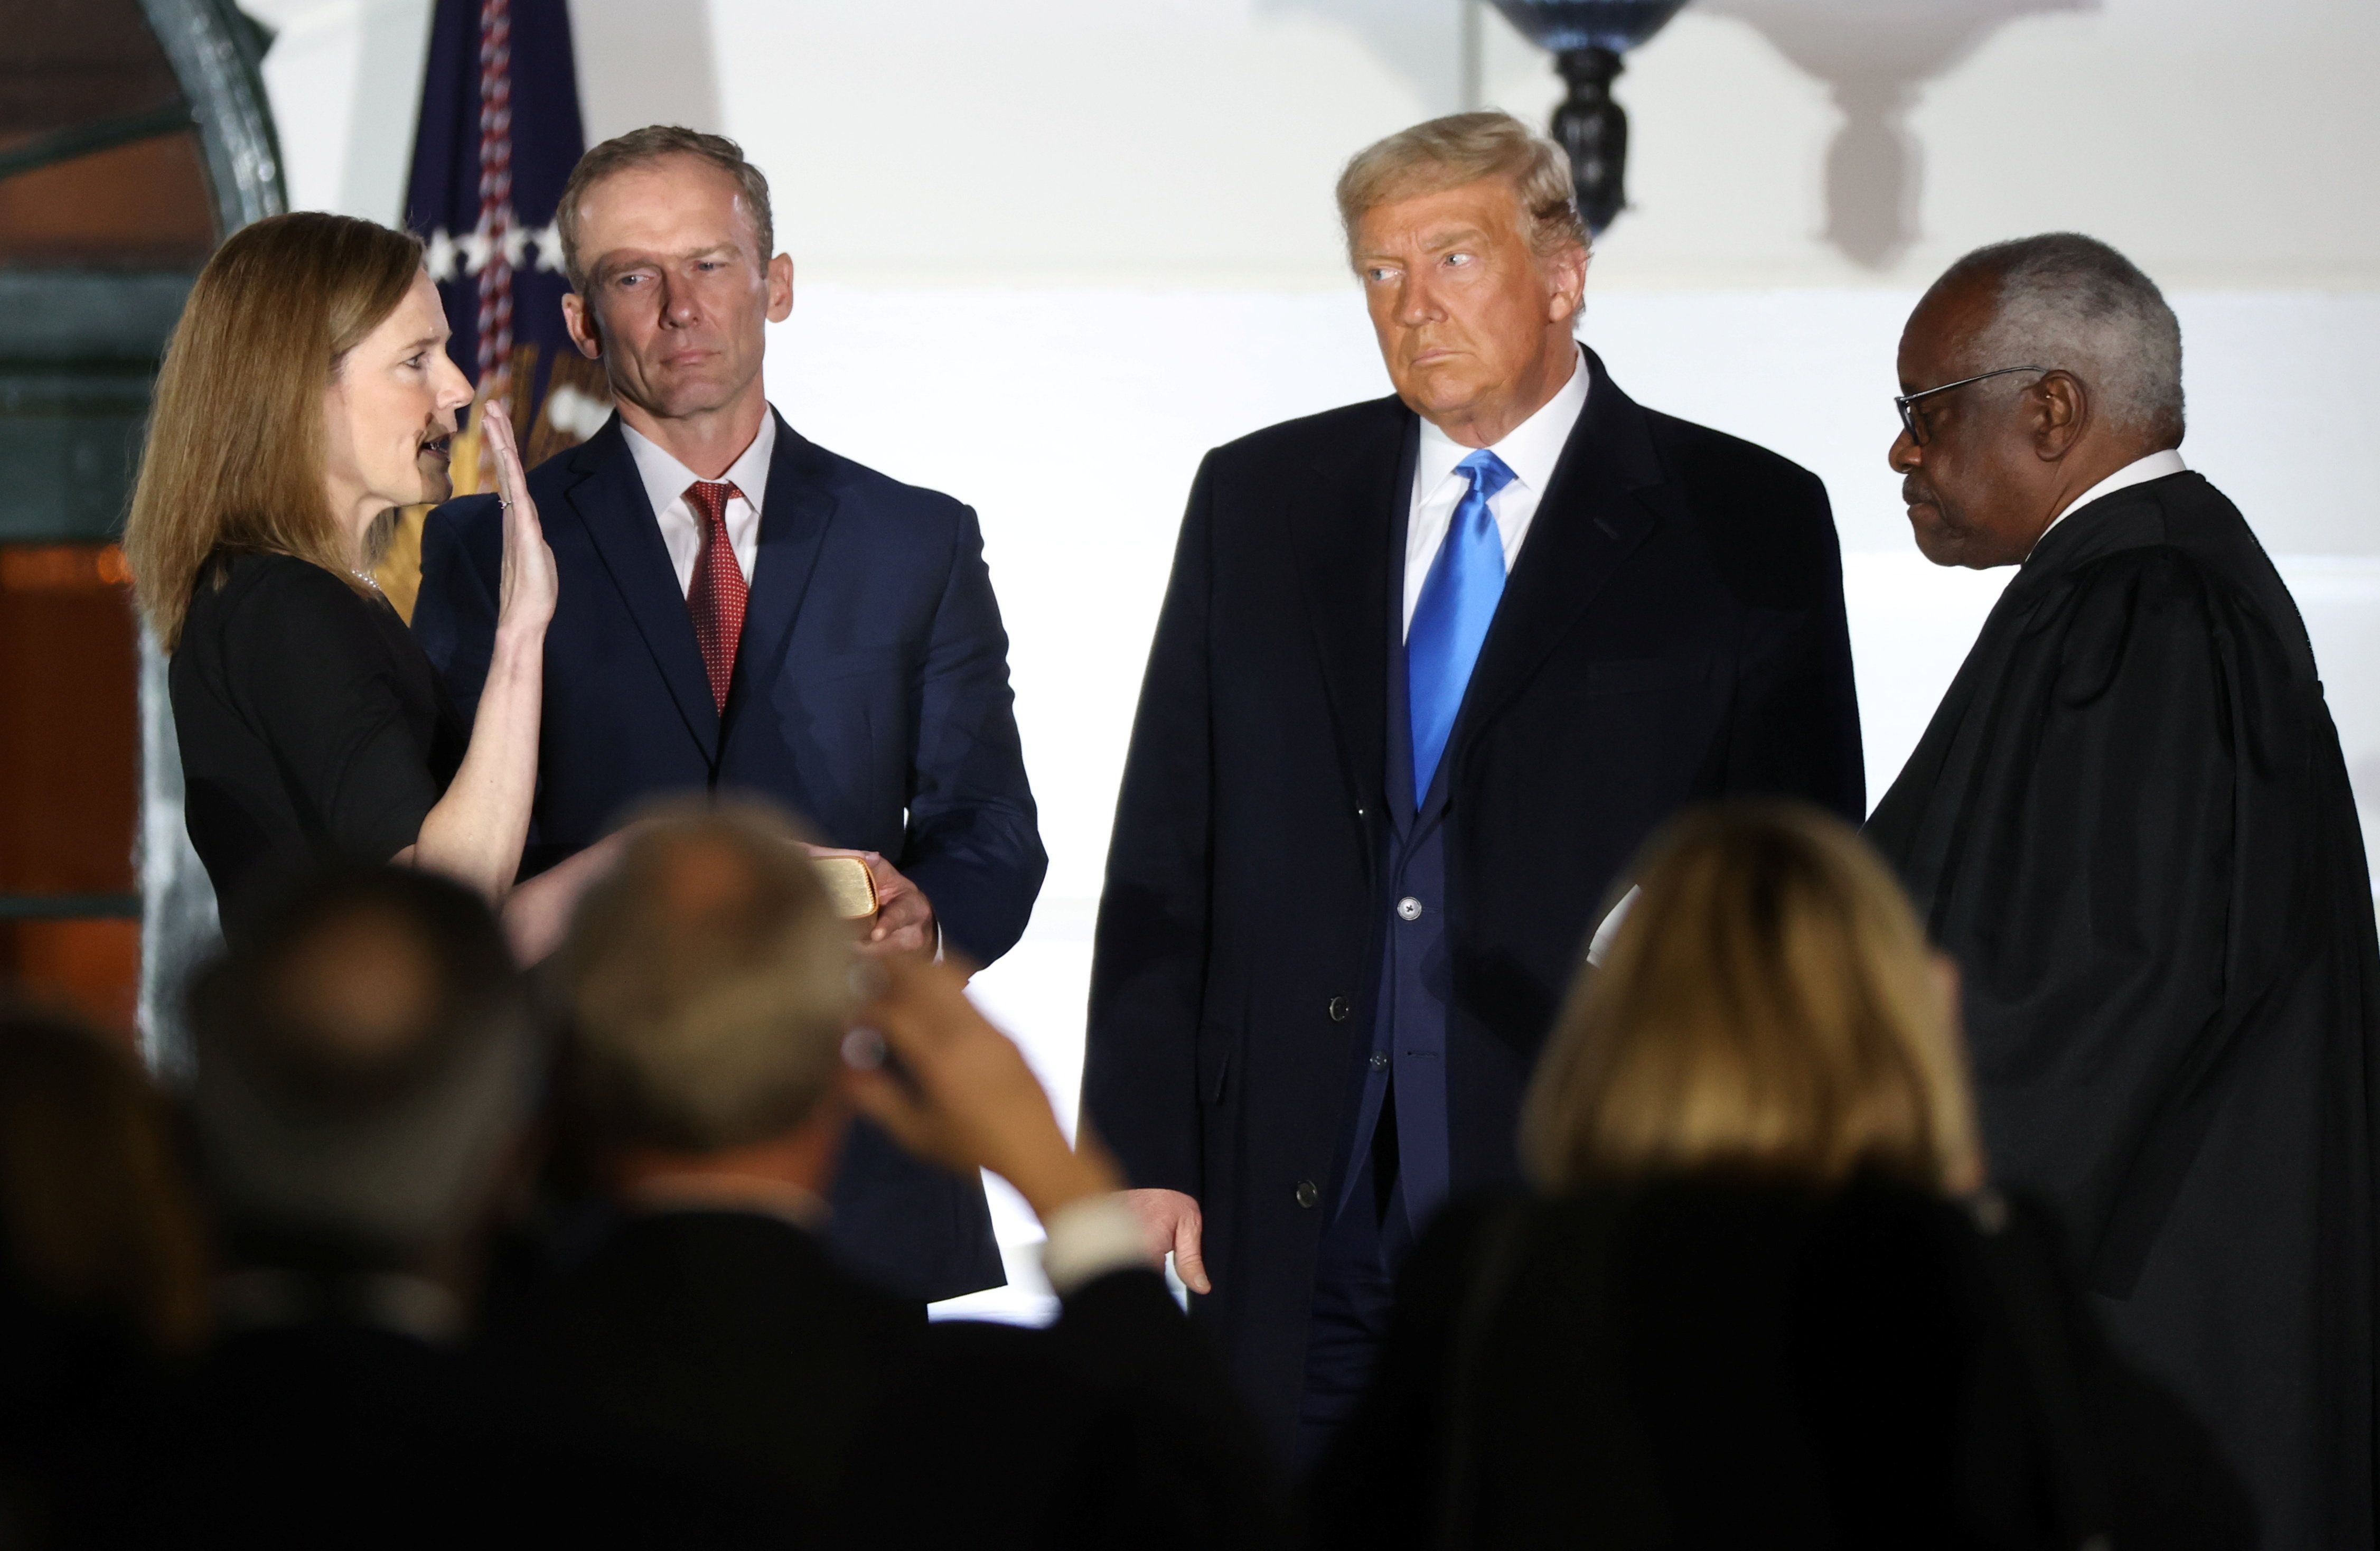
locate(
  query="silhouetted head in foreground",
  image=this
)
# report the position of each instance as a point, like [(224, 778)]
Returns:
[(365, 1060), (709, 988), (97, 1219), (1769, 1007)]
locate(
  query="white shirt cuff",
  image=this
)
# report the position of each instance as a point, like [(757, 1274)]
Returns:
[(1089, 1239)]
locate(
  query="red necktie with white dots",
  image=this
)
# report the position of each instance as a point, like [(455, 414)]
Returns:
[(715, 595)]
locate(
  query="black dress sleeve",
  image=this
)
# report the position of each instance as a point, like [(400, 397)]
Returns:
[(315, 675)]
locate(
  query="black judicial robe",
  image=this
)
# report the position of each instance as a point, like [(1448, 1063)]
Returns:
[(2130, 822)]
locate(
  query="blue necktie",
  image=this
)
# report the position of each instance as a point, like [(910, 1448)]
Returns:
[(1458, 601)]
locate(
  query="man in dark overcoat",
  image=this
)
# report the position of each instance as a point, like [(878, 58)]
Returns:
[(1427, 672)]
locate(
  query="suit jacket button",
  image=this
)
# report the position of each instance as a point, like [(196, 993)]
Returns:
[(1341, 1009), (1306, 1193)]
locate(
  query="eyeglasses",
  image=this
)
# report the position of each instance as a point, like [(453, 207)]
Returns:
[(1916, 427)]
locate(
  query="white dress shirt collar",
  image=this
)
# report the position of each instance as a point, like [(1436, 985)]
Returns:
[(666, 480), (1530, 449), (2155, 466)]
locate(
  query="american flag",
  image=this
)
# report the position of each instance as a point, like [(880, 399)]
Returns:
[(500, 131)]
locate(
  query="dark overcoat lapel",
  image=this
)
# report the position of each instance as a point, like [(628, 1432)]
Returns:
[(795, 516), (1606, 494), (1347, 525), (608, 497)]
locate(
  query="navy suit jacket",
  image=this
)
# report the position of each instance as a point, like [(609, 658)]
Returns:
[(1672, 632), (870, 696)]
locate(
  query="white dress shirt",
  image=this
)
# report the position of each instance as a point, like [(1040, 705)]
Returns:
[(666, 480), (2155, 466), (1531, 449)]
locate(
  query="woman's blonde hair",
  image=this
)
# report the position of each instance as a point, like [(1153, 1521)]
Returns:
[(1768, 1005), (235, 456)]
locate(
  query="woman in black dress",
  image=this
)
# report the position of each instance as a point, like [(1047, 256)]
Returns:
[(307, 393), (1763, 1298)]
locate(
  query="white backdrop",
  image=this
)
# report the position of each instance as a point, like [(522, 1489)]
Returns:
[(1048, 252)]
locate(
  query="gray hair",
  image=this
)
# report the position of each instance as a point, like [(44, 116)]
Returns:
[(1464, 148), (709, 983), (642, 148), (366, 1060), (2066, 301)]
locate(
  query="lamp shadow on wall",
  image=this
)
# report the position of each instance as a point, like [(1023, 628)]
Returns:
[(1876, 58)]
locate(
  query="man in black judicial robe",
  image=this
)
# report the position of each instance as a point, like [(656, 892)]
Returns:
[(2130, 822)]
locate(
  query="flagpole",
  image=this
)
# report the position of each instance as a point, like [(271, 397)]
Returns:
[(495, 225)]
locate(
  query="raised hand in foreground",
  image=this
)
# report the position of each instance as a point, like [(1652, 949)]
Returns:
[(933, 1072)]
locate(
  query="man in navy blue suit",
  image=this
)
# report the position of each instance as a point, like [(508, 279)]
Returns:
[(743, 610), (1429, 671)]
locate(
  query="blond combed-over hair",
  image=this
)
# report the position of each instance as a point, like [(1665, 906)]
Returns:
[(644, 148), (235, 459), (1769, 1005), (709, 983), (1465, 148)]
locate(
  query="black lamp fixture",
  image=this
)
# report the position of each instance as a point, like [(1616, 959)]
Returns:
[(1587, 39)]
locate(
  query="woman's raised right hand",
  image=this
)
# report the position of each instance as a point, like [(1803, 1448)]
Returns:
[(525, 597)]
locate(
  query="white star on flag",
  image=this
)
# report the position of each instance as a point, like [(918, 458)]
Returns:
[(515, 240), (474, 246), (439, 256), (480, 244)]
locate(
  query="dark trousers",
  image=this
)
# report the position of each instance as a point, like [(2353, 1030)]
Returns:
[(1353, 1290)]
